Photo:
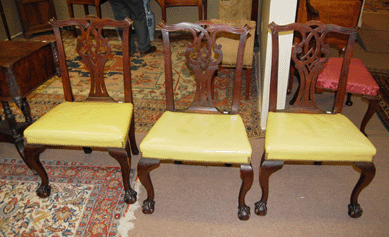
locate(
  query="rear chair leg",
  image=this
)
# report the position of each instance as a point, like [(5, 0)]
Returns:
[(367, 175), (373, 106), (144, 168)]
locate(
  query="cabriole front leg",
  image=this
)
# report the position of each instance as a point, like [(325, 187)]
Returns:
[(247, 176), (31, 155), (367, 175), (267, 168), (144, 167)]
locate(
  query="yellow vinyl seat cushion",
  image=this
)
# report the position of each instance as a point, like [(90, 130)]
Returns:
[(87, 124), (315, 137), (216, 138)]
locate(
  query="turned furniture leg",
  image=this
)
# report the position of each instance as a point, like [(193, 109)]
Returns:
[(26, 111), (144, 168), (16, 134), (123, 156), (373, 106), (247, 176), (267, 168), (31, 154), (367, 175)]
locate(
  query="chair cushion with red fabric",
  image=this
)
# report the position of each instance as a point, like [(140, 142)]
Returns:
[(360, 81)]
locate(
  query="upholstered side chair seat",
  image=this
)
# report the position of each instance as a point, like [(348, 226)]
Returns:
[(87, 124), (215, 138), (321, 137), (359, 81)]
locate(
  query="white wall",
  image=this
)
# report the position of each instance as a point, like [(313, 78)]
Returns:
[(281, 12)]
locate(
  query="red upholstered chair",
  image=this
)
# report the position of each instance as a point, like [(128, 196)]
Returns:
[(360, 82)]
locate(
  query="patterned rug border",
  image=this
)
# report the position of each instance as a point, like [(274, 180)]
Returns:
[(103, 211)]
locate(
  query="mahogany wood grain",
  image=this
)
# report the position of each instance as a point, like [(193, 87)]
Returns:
[(35, 15)]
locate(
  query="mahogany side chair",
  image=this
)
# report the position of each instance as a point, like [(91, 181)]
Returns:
[(304, 133), (200, 134), (230, 13), (97, 122)]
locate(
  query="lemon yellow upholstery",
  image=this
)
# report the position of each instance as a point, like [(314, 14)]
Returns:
[(87, 124), (230, 43), (198, 137), (315, 137)]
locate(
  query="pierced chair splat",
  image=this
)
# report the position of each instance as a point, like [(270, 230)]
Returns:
[(199, 134), (98, 121), (304, 133)]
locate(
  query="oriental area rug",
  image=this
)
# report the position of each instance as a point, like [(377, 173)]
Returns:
[(148, 79), (85, 200)]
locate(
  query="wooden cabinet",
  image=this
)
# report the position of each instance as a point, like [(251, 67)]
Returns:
[(339, 12), (35, 15)]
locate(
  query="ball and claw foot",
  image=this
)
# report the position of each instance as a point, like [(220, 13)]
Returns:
[(130, 196), (43, 191), (148, 207), (260, 208), (243, 213), (355, 211)]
